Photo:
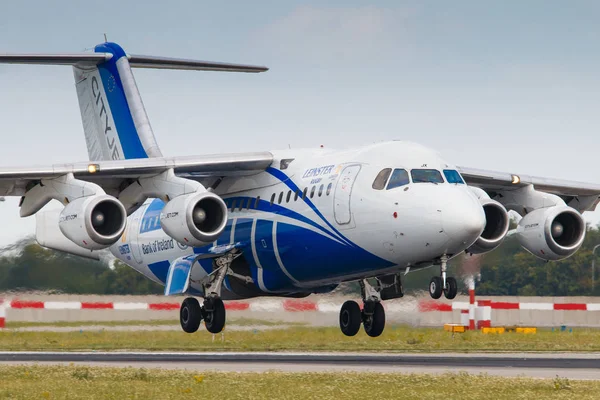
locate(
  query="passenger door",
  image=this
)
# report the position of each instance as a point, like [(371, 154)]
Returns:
[(343, 194)]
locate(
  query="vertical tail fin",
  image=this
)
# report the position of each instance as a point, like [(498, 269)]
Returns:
[(115, 122), (114, 118)]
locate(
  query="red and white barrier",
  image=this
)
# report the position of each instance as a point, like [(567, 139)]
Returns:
[(2, 315), (264, 306), (433, 305), (471, 302), (293, 305)]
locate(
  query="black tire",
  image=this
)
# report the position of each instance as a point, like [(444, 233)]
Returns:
[(451, 288), (350, 318), (214, 315), (375, 323), (190, 315), (436, 287)]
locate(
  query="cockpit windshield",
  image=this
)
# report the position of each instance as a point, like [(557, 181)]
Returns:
[(399, 178), (452, 176), (426, 176)]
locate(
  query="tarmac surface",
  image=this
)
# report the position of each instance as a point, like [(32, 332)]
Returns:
[(565, 365)]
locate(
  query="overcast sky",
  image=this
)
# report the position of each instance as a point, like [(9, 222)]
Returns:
[(510, 86)]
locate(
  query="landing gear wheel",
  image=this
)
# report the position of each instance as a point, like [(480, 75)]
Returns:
[(374, 323), (451, 288), (350, 318), (214, 314), (190, 315), (436, 287)]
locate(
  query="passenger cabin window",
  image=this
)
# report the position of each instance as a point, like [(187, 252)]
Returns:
[(280, 198), (272, 198), (426, 176), (329, 188), (304, 193), (257, 201), (312, 192), (399, 178), (381, 179), (452, 176), (287, 198), (320, 190)]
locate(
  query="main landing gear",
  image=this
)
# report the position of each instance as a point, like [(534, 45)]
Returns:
[(444, 284), (212, 310), (372, 316)]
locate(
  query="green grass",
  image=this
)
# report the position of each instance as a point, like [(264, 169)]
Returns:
[(394, 339), (77, 382), (158, 322)]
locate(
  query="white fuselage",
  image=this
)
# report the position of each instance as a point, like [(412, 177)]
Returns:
[(316, 218)]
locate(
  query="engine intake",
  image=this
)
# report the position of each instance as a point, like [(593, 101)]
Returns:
[(552, 233), (93, 222), (194, 219), (496, 227)]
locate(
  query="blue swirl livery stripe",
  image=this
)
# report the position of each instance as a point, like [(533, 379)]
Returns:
[(266, 206), (290, 183)]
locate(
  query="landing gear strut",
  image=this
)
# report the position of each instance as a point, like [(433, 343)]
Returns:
[(444, 284), (213, 309), (372, 316)]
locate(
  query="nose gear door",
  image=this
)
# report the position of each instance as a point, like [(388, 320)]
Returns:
[(343, 194)]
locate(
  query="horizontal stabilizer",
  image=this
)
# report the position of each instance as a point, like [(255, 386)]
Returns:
[(55, 59), (138, 61), (135, 61)]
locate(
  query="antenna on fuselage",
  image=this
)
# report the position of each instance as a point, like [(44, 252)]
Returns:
[(105, 39)]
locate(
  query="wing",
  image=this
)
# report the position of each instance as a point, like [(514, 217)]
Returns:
[(579, 195), (111, 175)]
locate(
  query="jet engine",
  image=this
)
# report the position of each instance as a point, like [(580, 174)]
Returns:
[(496, 227), (195, 219), (93, 222), (552, 233)]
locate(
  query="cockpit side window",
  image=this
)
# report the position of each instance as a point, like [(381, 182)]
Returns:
[(381, 178), (452, 176), (426, 176), (399, 178)]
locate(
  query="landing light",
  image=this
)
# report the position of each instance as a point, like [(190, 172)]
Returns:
[(516, 179), (93, 168)]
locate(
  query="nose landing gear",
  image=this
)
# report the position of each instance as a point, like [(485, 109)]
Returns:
[(444, 284)]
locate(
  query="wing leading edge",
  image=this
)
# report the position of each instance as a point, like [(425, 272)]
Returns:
[(15, 181), (579, 195)]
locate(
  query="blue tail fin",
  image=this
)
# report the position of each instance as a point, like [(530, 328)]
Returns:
[(115, 122)]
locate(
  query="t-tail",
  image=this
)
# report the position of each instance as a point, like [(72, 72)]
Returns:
[(115, 122)]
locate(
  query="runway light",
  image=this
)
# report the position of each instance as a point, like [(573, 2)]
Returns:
[(516, 179), (93, 168)]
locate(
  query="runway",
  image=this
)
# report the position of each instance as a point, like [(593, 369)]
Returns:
[(568, 365)]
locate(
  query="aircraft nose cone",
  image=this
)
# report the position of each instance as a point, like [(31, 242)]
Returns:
[(463, 219)]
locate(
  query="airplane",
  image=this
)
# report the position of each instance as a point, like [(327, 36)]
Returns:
[(287, 223)]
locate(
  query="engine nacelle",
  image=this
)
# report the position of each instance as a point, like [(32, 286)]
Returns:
[(496, 227), (552, 233), (195, 219), (93, 222)]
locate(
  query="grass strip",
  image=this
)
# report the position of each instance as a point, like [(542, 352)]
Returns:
[(158, 322), (394, 339), (81, 382)]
